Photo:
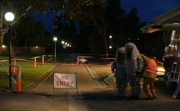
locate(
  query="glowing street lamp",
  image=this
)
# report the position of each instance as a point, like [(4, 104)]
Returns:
[(110, 36), (55, 40), (9, 16), (62, 42), (110, 47)]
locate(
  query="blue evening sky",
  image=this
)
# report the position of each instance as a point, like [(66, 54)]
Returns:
[(147, 10)]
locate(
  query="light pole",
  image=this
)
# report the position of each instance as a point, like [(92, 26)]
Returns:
[(55, 39), (9, 16)]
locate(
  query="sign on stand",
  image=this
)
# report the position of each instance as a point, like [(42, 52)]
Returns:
[(65, 81)]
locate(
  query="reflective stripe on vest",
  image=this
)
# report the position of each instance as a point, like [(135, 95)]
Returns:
[(151, 66)]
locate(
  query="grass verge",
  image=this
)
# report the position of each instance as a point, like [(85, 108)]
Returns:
[(28, 73)]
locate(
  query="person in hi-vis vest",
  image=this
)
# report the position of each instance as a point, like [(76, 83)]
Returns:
[(149, 74)]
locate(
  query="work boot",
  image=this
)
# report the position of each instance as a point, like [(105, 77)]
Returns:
[(154, 97), (149, 98), (136, 97), (133, 98)]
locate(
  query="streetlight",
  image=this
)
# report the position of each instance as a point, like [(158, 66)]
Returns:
[(55, 39), (9, 16), (62, 42), (66, 44)]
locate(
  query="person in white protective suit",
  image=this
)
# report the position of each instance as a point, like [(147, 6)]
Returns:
[(118, 68), (134, 66)]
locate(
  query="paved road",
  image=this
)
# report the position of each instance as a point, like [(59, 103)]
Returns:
[(90, 95)]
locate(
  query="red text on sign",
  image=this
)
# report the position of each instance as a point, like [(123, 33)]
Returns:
[(64, 77), (64, 83)]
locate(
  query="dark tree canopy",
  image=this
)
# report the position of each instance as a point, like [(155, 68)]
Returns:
[(114, 16), (97, 19)]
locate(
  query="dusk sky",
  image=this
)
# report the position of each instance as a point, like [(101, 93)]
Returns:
[(147, 10)]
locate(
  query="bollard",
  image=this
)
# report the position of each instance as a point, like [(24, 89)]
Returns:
[(42, 59), (34, 64), (18, 80), (13, 66), (77, 61)]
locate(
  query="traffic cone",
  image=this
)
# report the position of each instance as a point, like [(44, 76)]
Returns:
[(13, 69), (18, 80), (34, 64), (77, 61), (42, 59)]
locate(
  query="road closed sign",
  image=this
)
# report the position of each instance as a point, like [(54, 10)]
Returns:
[(64, 80)]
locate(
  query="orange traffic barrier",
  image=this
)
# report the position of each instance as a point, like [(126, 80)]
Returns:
[(13, 69), (77, 61), (18, 80), (42, 59), (34, 64)]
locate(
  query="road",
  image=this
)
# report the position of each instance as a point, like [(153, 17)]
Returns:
[(90, 95)]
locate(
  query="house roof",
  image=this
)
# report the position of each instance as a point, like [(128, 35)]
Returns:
[(167, 21), (168, 17)]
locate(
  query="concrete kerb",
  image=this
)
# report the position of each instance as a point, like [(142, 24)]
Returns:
[(99, 83), (37, 83)]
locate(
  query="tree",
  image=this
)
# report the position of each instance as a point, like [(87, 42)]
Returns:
[(92, 14), (19, 8), (115, 19), (64, 30), (132, 21), (24, 35), (89, 12), (114, 16)]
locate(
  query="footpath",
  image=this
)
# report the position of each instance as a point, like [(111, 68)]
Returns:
[(90, 95), (41, 96)]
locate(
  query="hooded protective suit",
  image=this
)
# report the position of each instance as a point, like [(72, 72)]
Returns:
[(133, 59), (118, 67), (118, 64), (134, 65)]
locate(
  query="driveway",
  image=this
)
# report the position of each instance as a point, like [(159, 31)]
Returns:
[(90, 95)]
